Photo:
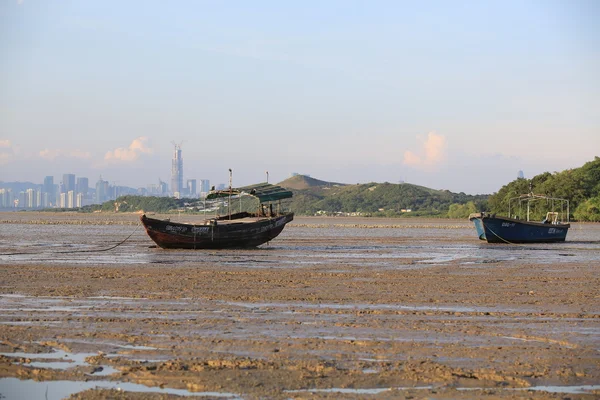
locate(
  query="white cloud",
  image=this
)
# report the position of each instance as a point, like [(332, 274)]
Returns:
[(432, 152), (137, 147), (49, 154), (80, 154), (7, 152), (52, 154)]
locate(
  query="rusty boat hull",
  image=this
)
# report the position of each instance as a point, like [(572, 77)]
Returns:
[(242, 230)]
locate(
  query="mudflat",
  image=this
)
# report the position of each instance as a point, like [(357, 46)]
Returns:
[(332, 308)]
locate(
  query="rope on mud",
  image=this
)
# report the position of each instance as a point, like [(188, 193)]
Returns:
[(81, 251), (110, 248)]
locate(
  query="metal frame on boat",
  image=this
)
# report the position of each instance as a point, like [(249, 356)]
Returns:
[(513, 229)]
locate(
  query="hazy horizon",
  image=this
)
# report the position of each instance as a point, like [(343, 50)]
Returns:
[(448, 95)]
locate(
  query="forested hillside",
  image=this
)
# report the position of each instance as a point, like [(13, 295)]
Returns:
[(376, 199), (581, 186)]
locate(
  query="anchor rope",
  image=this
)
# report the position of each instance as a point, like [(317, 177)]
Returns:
[(79, 251)]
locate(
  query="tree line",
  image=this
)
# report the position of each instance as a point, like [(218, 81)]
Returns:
[(581, 186)]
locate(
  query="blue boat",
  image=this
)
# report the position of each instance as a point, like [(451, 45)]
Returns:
[(497, 229)]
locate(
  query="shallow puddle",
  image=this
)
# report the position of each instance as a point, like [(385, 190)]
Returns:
[(16, 389), (61, 360), (581, 389)]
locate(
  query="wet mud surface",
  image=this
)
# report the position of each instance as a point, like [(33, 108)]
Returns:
[(332, 308)]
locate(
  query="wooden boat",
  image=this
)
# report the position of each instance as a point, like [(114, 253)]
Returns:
[(239, 230), (499, 229)]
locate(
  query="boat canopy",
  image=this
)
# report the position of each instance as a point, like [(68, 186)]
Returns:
[(264, 192)]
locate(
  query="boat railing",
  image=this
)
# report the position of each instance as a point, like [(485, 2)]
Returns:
[(558, 207)]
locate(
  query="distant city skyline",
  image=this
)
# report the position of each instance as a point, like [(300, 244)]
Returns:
[(448, 95)]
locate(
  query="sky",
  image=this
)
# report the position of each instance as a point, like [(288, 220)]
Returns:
[(456, 95)]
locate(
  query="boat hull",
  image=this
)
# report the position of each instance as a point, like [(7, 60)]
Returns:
[(494, 229), (215, 234)]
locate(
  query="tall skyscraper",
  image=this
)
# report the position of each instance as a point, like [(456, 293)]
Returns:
[(49, 192), (48, 184), (177, 170), (69, 182), (82, 185)]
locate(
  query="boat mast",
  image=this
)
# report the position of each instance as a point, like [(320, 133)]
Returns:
[(229, 202), (529, 198)]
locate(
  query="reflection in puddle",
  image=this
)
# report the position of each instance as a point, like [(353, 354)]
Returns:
[(347, 306), (582, 389), (564, 389), (62, 360), (358, 391), (13, 389), (132, 347)]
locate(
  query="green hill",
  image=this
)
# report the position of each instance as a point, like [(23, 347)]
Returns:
[(300, 182), (312, 196)]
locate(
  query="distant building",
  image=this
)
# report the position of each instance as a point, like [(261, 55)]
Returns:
[(46, 200), (163, 188), (191, 187), (177, 170), (520, 175), (102, 191), (80, 200), (152, 189), (6, 198), (82, 186), (48, 184), (20, 202), (71, 199), (30, 199), (63, 200), (68, 182), (159, 189), (204, 186), (48, 192)]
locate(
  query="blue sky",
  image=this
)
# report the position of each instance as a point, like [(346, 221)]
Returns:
[(456, 95)]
